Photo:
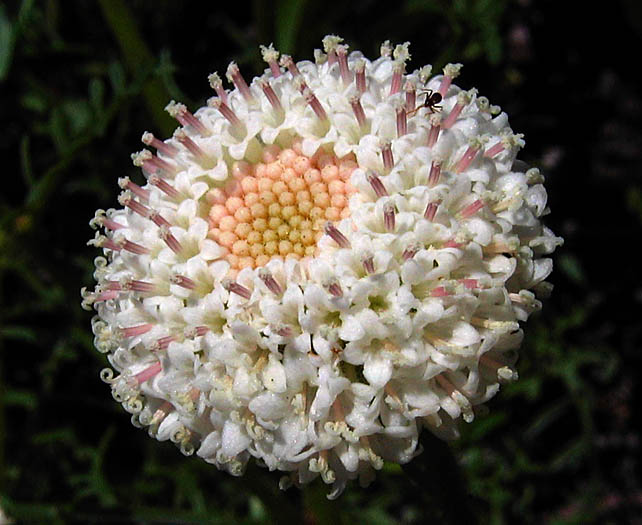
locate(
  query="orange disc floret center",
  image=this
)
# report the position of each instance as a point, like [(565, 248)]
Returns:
[(278, 207)]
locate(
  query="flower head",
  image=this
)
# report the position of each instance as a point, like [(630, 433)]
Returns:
[(320, 264)]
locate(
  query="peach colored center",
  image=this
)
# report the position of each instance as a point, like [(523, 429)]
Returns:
[(278, 207)]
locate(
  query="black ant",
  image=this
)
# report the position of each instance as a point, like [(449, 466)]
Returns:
[(433, 98)]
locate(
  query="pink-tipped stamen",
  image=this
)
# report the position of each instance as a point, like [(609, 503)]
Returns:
[(360, 76), (170, 240), (166, 149), (164, 186), (331, 231), (431, 210), (439, 291), (135, 331), (495, 149), (452, 116), (158, 219), (186, 118), (127, 184), (271, 55), (376, 184), (163, 342), (389, 214), (471, 209), (217, 85), (433, 133), (234, 76), (411, 96), (444, 85), (334, 288), (358, 111), (269, 93), (386, 153), (466, 159), (138, 286), (111, 285), (287, 61), (368, 263), (182, 281), (402, 122), (316, 106), (190, 145), (284, 331), (111, 224), (226, 111), (106, 296), (109, 244), (397, 74), (126, 199), (238, 289), (435, 173), (411, 251), (453, 244), (342, 57), (470, 284), (270, 282), (148, 373), (133, 247)]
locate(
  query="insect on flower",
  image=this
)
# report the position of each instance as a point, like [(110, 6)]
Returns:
[(309, 272)]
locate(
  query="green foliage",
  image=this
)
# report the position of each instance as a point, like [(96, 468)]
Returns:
[(82, 80)]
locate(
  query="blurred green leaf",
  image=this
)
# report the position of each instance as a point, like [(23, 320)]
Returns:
[(289, 14), (6, 42)]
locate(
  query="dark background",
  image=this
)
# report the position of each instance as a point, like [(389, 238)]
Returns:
[(79, 83)]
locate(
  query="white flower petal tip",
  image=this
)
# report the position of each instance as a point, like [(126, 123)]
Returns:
[(320, 263)]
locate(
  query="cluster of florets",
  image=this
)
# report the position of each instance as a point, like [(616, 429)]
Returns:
[(320, 263)]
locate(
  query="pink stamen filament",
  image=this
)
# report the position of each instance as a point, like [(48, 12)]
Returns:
[(110, 224), (158, 164), (112, 285), (284, 331), (220, 90), (342, 56), (431, 211), (271, 96), (402, 122), (316, 106), (186, 118), (237, 288), (471, 209), (452, 244), (334, 288), (376, 184), (495, 149), (227, 112), (411, 96), (469, 284), (397, 73), (389, 216), (338, 237), (139, 286), (191, 146), (332, 57), (163, 342), (439, 291), (110, 245), (388, 160), (433, 135), (134, 248), (164, 186), (170, 240), (184, 282), (360, 77), (287, 61), (201, 330), (445, 84), (135, 206), (106, 296), (359, 113), (136, 189), (445, 384), (435, 173), (368, 264), (157, 219), (135, 331), (166, 149), (238, 80), (452, 116), (410, 251), (466, 159), (270, 282), (274, 68), (148, 373)]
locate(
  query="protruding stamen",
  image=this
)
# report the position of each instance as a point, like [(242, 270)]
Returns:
[(158, 219), (330, 44), (163, 343), (270, 282), (126, 199), (435, 127), (137, 286), (170, 240), (470, 284), (217, 85), (397, 73), (135, 331), (238, 289), (271, 56), (386, 153), (508, 140), (287, 61), (503, 371), (101, 220), (164, 186), (431, 210), (463, 99), (439, 291), (359, 114), (360, 76), (451, 71), (386, 49), (453, 244), (225, 110), (495, 149), (389, 213), (273, 99), (283, 330), (331, 231), (126, 184), (402, 122), (411, 96), (424, 73), (166, 149), (133, 247), (234, 75), (467, 158), (435, 173), (148, 373), (342, 57), (106, 296), (410, 251), (190, 145), (376, 184), (314, 103), (368, 263), (186, 118), (195, 331), (151, 163), (184, 282), (334, 288), (471, 209)]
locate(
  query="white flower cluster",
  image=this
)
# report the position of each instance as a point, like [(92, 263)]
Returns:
[(375, 289)]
